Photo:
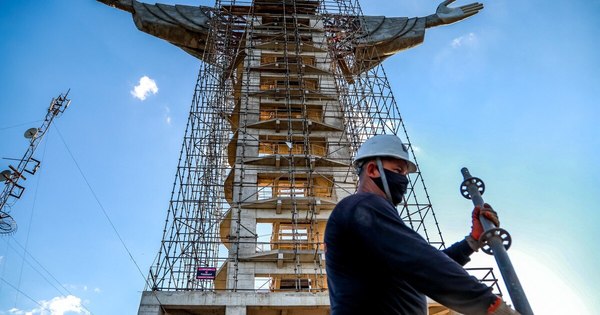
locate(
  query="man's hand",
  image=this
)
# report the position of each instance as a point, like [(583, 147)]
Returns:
[(500, 308), (489, 213), (125, 5), (446, 15)]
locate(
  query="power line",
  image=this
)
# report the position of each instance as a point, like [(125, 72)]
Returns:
[(26, 252), (35, 194), (24, 294), (46, 270), (36, 302), (106, 215), (100, 205), (40, 265)]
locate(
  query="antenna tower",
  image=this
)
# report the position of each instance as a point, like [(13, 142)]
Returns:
[(27, 164)]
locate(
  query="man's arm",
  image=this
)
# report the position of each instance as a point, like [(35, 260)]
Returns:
[(459, 252), (425, 268)]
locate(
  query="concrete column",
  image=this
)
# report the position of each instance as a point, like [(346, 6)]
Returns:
[(235, 310), (150, 310)]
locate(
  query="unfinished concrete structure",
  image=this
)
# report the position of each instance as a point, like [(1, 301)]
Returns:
[(287, 92)]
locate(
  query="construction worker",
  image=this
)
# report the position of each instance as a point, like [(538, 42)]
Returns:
[(378, 265)]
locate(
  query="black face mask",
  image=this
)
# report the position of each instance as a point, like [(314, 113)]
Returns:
[(397, 183)]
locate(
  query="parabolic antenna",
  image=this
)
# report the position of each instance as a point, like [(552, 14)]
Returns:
[(7, 223), (5, 175), (31, 133)]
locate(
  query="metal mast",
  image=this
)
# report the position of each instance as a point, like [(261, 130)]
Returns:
[(27, 164)]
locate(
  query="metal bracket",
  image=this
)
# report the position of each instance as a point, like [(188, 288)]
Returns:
[(464, 187), (494, 232)]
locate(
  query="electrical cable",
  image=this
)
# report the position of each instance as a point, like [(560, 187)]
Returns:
[(40, 265), (104, 211), (24, 294), (28, 233), (26, 252), (112, 225), (3, 263), (21, 124)]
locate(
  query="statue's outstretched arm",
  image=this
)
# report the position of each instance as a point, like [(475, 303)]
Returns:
[(186, 27), (125, 5), (386, 36), (446, 15)]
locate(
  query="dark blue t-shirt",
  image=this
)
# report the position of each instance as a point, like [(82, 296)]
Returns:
[(378, 265)]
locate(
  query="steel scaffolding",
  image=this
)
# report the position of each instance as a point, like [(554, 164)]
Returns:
[(282, 102)]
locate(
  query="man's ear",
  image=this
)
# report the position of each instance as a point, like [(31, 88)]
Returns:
[(371, 169)]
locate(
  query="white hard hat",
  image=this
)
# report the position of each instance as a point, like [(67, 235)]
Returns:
[(384, 146)]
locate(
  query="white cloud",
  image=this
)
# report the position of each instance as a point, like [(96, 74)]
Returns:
[(461, 58), (467, 40), (79, 287), (168, 115), (59, 305), (144, 88)]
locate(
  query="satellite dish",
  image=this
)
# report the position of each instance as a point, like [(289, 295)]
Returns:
[(31, 133), (7, 223), (5, 175)]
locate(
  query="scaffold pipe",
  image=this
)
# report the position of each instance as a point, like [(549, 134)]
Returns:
[(496, 241)]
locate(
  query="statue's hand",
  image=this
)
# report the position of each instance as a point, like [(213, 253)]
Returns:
[(125, 5), (449, 15)]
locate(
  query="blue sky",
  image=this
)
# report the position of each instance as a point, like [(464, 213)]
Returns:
[(510, 93)]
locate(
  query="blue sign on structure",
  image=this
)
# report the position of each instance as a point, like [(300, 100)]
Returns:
[(206, 273)]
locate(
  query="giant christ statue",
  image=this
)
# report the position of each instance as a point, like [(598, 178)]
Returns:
[(188, 28), (288, 89)]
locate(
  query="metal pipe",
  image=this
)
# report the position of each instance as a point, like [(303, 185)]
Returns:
[(496, 239)]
